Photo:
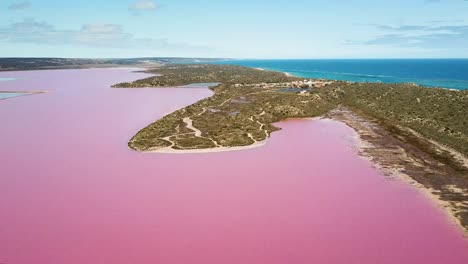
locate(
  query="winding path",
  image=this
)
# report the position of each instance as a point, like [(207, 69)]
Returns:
[(189, 124)]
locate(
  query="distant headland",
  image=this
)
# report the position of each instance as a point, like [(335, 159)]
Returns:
[(23, 64)]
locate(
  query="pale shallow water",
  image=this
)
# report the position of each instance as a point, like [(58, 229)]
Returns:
[(72, 192), (201, 85), (10, 95), (5, 79)]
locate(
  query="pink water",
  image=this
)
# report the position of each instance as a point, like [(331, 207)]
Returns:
[(72, 192)]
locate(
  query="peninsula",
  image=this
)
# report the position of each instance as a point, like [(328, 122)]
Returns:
[(412, 132)]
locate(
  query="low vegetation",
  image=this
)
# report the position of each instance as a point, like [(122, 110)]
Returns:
[(23, 64), (438, 114), (242, 112), (176, 75)]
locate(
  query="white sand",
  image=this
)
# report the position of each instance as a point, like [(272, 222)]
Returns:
[(170, 150)]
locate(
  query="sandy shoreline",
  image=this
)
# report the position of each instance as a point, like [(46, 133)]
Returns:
[(395, 172), (285, 73), (398, 160), (170, 150)]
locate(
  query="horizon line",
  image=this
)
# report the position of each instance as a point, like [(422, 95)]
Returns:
[(226, 58)]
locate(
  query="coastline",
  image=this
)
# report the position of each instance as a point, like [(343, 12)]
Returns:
[(385, 147), (362, 70), (289, 192), (368, 144), (399, 160), (170, 150)]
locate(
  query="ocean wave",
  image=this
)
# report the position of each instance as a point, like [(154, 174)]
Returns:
[(447, 83), (373, 76)]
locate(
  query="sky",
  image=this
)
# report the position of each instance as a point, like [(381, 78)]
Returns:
[(296, 29)]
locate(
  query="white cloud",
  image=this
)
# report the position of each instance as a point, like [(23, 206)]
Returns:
[(91, 35), (20, 5), (102, 34), (434, 36), (143, 5)]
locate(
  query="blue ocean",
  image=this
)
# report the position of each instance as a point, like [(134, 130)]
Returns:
[(446, 73)]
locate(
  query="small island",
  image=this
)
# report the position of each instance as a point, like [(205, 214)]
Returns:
[(415, 133)]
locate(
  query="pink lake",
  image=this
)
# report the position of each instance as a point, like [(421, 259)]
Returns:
[(72, 192)]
